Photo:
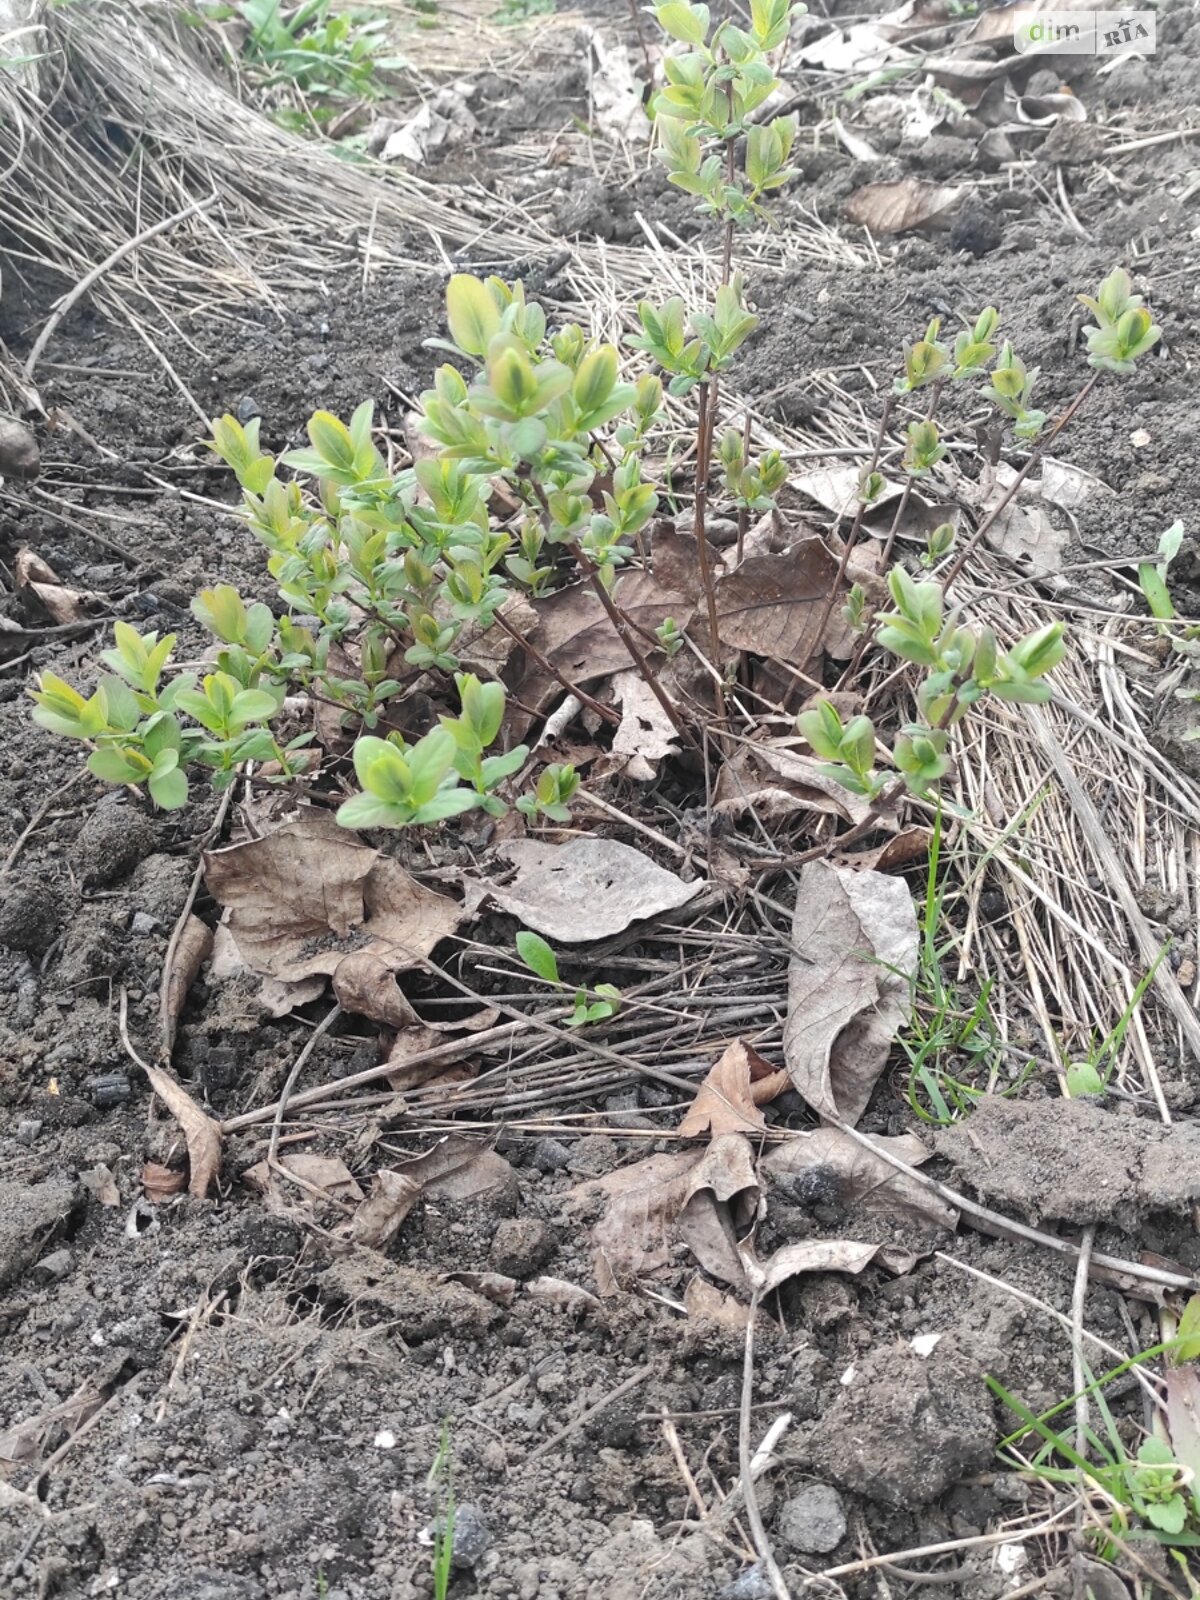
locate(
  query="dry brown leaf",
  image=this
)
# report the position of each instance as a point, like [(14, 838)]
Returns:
[(1045, 110), (201, 1132), (378, 1218), (558, 1292), (161, 1183), (328, 1175), (575, 635), (193, 950), (775, 780), (301, 899), (812, 1255), (844, 1004), (101, 1185), (720, 1207), (865, 1181), (773, 605), (910, 844), (456, 1169), (643, 1202), (646, 735), (590, 888), (706, 1303), (902, 206), (365, 985), (728, 1100), (35, 577), (996, 26), (276, 997), (493, 1286)]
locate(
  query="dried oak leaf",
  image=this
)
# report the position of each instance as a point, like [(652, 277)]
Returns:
[(276, 997), (302, 899), (641, 1207), (854, 953), (728, 1100), (588, 889), (720, 1207), (772, 605), (902, 206), (864, 1181)]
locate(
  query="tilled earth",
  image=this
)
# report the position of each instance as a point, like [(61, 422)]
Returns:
[(219, 1401)]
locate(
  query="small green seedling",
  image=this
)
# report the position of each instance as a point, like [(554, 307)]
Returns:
[(1090, 1075), (441, 1477), (543, 963)]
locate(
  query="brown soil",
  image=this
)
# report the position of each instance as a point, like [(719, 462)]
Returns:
[(260, 1411)]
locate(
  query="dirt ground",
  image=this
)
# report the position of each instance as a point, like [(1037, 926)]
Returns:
[(216, 1400)]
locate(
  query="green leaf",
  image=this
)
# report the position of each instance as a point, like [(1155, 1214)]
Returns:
[(118, 766), (596, 378), (366, 811), (1083, 1079), (687, 23), (331, 440), (252, 705), (1187, 1338), (1169, 1515), (537, 955), (168, 790), (449, 803), (1158, 596), (472, 313)]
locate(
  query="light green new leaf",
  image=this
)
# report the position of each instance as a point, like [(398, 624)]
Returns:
[(472, 313), (537, 955)]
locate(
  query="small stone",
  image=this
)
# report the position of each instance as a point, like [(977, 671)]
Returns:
[(549, 1155), (108, 1089), (753, 1584), (975, 229), (54, 1266), (813, 1521), (472, 1537), (520, 1246), (28, 1130), (247, 409), (143, 922), (30, 1217), (32, 911), (19, 454)]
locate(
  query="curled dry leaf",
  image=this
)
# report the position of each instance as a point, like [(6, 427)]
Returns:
[(161, 1183), (302, 899), (36, 578), (864, 1181), (728, 1100), (910, 844), (378, 1218), (558, 1292), (811, 1255), (641, 1207), (861, 48), (101, 1185), (588, 889), (493, 1286), (854, 941), (720, 1207), (903, 206), (192, 951), (1045, 110), (775, 780), (773, 605), (201, 1133)]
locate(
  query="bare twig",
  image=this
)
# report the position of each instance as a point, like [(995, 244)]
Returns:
[(293, 1076), (758, 1531), (622, 1389)]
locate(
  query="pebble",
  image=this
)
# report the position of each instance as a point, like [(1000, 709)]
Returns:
[(549, 1155), (472, 1537), (143, 922), (108, 1089), (19, 454), (813, 1521), (247, 409), (28, 1130), (56, 1265), (753, 1584)]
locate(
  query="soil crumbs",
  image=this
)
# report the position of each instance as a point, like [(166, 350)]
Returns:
[(221, 1402)]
